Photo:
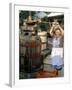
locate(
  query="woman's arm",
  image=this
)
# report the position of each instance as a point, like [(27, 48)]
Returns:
[(51, 30), (62, 31)]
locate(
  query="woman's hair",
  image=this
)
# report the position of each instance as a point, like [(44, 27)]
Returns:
[(56, 30)]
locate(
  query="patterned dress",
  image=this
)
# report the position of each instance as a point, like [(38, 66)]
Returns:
[(57, 53)]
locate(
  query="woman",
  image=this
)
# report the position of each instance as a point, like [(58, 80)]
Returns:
[(57, 42)]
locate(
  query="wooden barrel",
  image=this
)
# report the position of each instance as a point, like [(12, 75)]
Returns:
[(32, 60), (43, 36)]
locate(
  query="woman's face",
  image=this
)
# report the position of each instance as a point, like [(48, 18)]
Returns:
[(57, 33)]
